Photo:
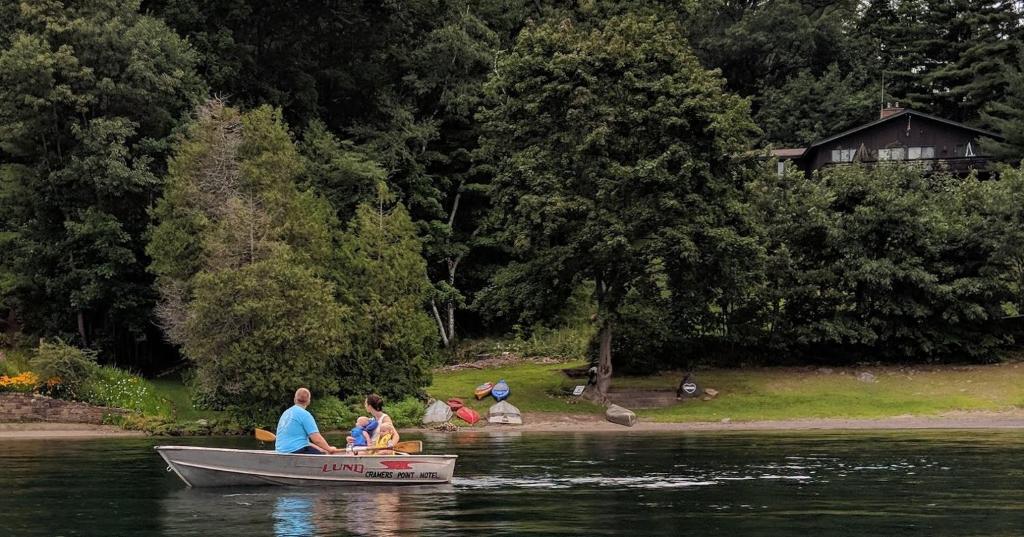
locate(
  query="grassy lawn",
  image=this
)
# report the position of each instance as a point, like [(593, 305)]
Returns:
[(767, 393), (180, 396), (534, 387)]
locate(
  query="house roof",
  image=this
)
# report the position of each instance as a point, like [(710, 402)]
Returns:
[(793, 152), (899, 115)]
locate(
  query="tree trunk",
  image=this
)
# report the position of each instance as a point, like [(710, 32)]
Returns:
[(604, 360), (451, 321), (440, 324), (81, 328)]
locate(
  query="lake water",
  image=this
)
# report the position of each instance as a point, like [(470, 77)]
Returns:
[(948, 483)]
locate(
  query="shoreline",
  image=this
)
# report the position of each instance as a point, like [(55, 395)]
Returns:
[(36, 430), (554, 422), (548, 422)]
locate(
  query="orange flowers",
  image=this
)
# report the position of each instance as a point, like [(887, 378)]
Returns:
[(23, 382)]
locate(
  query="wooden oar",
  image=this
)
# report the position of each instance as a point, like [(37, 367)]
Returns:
[(409, 446)]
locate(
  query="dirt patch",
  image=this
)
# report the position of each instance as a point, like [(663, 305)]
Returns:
[(643, 398)]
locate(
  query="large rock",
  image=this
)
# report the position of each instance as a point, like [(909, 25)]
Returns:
[(622, 416), (503, 412), (437, 412), (867, 377)]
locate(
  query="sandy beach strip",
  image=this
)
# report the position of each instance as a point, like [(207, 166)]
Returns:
[(56, 431), (546, 422), (584, 423)]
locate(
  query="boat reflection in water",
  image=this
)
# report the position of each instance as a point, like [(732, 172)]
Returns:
[(293, 515), (380, 511)]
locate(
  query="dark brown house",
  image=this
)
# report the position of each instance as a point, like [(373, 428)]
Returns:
[(898, 136)]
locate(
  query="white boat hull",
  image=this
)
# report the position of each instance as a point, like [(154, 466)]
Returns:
[(218, 467)]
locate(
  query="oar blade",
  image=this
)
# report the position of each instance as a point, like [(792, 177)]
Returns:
[(410, 446), (264, 435)]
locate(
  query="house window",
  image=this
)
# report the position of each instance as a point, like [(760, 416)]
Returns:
[(969, 152), (915, 153), (843, 155), (781, 168), (892, 153)]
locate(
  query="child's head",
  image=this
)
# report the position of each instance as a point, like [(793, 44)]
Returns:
[(386, 428), (362, 421)]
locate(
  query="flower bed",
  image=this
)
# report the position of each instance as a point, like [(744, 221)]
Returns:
[(24, 382)]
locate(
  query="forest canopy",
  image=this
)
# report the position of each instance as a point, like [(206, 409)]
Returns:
[(345, 191)]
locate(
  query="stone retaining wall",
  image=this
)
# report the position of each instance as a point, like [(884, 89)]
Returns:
[(30, 407)]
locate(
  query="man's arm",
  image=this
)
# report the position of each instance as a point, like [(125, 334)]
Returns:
[(320, 443)]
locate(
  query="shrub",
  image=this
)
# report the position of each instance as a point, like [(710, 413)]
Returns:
[(115, 387), (14, 360), (70, 365), (7, 368), (331, 412), (406, 413), (257, 332)]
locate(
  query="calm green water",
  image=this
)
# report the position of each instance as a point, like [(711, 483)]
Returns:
[(778, 484)]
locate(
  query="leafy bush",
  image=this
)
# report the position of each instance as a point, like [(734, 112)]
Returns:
[(165, 426), (332, 413), (406, 413), (7, 368), (258, 332), (15, 360), (70, 366), (115, 387)]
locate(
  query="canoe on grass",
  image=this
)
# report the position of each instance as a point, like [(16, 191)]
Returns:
[(483, 390), (455, 403), (500, 390), (468, 415), (217, 467)]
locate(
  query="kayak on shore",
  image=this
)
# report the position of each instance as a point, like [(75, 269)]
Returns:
[(483, 390), (500, 391)]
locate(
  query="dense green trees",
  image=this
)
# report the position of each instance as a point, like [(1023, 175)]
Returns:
[(384, 280), (887, 262), (241, 257), (89, 93), (261, 288), (502, 151), (612, 147), (886, 259), (1006, 116)]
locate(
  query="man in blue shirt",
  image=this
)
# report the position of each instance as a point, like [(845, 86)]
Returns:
[(297, 431)]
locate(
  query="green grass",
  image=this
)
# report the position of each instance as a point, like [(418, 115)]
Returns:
[(179, 395), (114, 387), (534, 387), (15, 361), (769, 393)]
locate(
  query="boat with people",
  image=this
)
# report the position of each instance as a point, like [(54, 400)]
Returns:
[(221, 467)]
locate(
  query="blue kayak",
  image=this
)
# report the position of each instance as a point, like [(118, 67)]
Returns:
[(500, 390)]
